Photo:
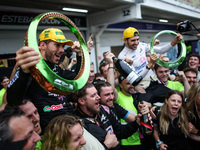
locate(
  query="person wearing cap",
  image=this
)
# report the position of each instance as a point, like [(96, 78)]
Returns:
[(137, 50), (23, 85)]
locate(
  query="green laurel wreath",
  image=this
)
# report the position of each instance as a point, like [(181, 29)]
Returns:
[(54, 79), (181, 57)]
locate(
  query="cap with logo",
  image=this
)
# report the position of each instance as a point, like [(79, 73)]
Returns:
[(130, 32), (55, 35)]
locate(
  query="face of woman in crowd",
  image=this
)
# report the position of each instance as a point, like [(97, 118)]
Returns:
[(174, 104), (77, 139)]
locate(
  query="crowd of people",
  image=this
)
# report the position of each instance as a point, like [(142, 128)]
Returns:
[(106, 113)]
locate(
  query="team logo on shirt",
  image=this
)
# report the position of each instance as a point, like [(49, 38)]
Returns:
[(52, 108)]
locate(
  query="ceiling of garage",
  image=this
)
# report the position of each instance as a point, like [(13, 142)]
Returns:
[(93, 6)]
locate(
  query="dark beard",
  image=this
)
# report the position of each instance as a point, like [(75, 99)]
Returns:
[(93, 111)]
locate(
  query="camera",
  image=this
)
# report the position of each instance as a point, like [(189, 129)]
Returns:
[(184, 26)]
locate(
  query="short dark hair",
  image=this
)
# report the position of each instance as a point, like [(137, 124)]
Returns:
[(6, 115), (82, 92), (101, 84), (188, 69), (2, 78), (102, 65), (194, 55), (156, 66)]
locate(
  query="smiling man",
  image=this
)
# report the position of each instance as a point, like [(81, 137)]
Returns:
[(163, 76), (32, 113), (137, 50), (99, 120), (17, 131), (194, 62), (23, 85)]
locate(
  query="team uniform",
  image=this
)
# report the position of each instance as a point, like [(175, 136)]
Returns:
[(106, 120), (175, 138)]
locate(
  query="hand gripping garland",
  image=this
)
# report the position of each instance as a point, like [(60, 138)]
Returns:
[(49, 80), (181, 56)]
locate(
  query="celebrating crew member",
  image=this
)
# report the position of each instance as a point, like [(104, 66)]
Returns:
[(49, 105)]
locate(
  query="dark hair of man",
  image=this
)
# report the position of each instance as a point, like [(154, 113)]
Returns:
[(101, 84), (2, 78), (156, 66), (82, 92), (102, 65), (97, 75), (6, 115), (188, 69), (194, 55)]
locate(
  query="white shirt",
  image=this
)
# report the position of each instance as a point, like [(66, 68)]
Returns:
[(139, 56)]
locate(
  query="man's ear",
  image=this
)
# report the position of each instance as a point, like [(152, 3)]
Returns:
[(42, 45), (125, 40), (81, 101)]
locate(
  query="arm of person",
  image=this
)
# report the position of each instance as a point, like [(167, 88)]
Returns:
[(111, 73), (4, 102), (194, 132), (72, 63), (195, 137), (110, 140), (65, 63), (130, 118), (68, 74), (123, 131), (159, 144), (90, 43), (26, 57), (153, 58), (185, 82), (167, 47)]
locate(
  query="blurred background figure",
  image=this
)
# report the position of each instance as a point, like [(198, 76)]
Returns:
[(4, 82)]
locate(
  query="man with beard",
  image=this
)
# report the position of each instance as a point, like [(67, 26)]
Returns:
[(99, 120), (125, 99), (106, 93), (49, 105), (137, 50)]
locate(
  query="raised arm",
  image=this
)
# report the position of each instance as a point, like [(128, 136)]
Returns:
[(26, 57), (167, 47)]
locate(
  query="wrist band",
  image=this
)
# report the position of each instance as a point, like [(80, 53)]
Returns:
[(47, 79), (181, 56), (158, 142)]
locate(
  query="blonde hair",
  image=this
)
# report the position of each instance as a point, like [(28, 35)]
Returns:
[(193, 95), (164, 115), (57, 135)]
